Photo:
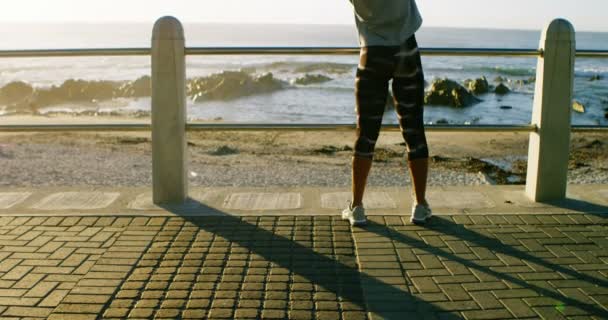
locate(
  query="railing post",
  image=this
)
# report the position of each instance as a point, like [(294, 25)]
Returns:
[(169, 165), (550, 146)]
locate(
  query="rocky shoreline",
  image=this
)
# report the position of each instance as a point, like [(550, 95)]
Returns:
[(20, 97)]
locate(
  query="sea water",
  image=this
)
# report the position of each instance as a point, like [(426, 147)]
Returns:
[(328, 102)]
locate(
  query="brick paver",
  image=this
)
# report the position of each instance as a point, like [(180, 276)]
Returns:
[(286, 267)]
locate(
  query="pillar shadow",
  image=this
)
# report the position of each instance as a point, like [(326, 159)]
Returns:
[(338, 274), (580, 206), (448, 228)]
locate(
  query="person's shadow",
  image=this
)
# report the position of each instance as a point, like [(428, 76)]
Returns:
[(446, 228), (319, 255), (319, 258)]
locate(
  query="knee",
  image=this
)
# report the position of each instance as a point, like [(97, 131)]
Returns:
[(420, 151), (364, 147)]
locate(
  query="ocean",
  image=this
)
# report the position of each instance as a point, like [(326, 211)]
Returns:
[(302, 89)]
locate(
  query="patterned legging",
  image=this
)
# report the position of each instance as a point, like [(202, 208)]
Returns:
[(378, 65)]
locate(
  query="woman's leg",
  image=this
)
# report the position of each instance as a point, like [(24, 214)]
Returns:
[(419, 170), (371, 90), (361, 169), (408, 91)]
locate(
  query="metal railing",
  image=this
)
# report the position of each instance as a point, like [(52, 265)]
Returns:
[(207, 51), (556, 53), (457, 52), (193, 126)]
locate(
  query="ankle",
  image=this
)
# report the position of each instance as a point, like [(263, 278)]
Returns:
[(422, 203), (356, 204)]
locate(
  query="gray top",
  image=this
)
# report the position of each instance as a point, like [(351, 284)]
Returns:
[(386, 22)]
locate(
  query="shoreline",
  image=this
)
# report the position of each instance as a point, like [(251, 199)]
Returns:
[(271, 158)]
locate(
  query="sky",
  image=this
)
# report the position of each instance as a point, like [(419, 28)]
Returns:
[(586, 15)]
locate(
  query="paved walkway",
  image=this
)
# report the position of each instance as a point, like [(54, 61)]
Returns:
[(170, 265), (478, 267), (294, 201)]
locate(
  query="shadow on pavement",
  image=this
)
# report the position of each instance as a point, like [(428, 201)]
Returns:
[(448, 228), (336, 273), (580, 206)]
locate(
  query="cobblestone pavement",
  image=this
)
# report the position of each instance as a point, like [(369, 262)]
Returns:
[(473, 267)]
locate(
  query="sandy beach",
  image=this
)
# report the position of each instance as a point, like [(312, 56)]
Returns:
[(223, 158)]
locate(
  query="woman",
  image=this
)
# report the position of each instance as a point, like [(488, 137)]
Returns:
[(389, 51)]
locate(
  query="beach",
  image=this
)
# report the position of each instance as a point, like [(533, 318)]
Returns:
[(272, 158)]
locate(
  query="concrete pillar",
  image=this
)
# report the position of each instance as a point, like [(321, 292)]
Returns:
[(550, 146), (169, 161)]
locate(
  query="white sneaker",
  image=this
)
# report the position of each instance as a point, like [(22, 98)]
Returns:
[(421, 213), (356, 215)]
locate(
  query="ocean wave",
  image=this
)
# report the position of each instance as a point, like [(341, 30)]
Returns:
[(309, 79), (516, 72), (507, 71), (308, 67), (97, 113)]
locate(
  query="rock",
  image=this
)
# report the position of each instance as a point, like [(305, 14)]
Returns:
[(82, 90), (385, 155), (267, 81), (142, 87), (501, 89), (506, 107), (72, 90), (578, 107), (596, 77), (330, 150), (15, 92), (224, 151), (132, 140), (478, 86), (525, 82), (501, 79), (442, 121), (231, 85), (449, 93), (312, 79)]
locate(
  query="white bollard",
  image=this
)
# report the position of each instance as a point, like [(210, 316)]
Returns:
[(169, 161), (550, 146)]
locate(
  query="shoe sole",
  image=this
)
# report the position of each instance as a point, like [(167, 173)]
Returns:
[(420, 222), (354, 223), (357, 223)]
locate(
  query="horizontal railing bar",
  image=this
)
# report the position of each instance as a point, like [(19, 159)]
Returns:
[(255, 127), (272, 51), (75, 127), (592, 54), (354, 51), (280, 51), (589, 129), (278, 127), (50, 53), (350, 127)]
